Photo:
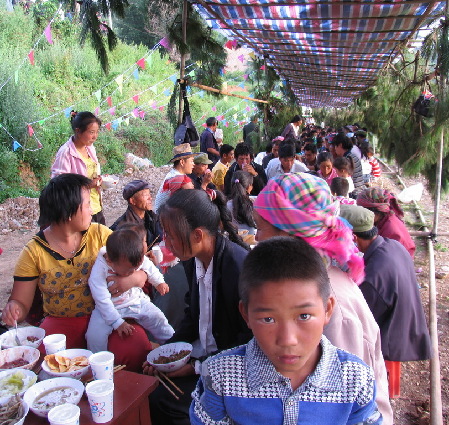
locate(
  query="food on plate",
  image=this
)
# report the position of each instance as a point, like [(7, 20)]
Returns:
[(32, 338), (14, 363), (172, 357), (55, 396), (15, 383), (65, 364), (12, 411)]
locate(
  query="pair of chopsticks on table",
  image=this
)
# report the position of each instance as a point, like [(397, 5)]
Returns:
[(116, 369), (152, 243), (158, 375)]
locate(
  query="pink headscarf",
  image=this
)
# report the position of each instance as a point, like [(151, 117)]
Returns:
[(380, 200), (302, 205)]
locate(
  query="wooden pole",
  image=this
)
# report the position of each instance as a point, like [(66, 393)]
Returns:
[(225, 93), (183, 59)]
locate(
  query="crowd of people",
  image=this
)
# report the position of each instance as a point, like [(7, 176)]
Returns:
[(281, 269)]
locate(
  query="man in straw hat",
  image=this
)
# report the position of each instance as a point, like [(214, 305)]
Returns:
[(182, 164)]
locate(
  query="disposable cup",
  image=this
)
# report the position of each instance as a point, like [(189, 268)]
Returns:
[(100, 394), (54, 343), (102, 365), (156, 250), (64, 414)]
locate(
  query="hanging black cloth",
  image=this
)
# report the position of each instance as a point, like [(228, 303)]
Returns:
[(186, 131)]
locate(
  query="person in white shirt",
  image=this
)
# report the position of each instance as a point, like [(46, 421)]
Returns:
[(286, 163), (124, 253)]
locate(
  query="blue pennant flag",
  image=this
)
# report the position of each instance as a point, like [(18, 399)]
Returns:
[(201, 94), (136, 74), (16, 145), (242, 85), (189, 89), (173, 79), (114, 125), (67, 112), (167, 92)]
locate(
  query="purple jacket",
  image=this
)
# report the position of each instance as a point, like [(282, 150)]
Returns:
[(68, 160)]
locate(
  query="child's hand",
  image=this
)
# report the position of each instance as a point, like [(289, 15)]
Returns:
[(125, 329), (163, 288)]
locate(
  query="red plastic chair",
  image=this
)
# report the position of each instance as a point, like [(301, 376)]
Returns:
[(394, 378)]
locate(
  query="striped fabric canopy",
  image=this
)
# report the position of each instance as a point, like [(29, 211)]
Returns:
[(329, 51)]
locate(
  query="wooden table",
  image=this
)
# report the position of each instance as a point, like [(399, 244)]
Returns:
[(131, 405)]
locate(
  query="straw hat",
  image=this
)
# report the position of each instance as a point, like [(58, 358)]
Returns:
[(182, 151)]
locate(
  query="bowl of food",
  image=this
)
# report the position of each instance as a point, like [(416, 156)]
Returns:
[(109, 181), (45, 395), (14, 411), (72, 363), (14, 382), (170, 357), (19, 357), (30, 336)]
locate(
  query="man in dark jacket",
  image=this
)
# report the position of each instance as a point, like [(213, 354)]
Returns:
[(244, 161), (390, 289), (139, 211), (208, 144)]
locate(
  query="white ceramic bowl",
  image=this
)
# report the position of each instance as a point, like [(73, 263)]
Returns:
[(167, 350), (109, 181), (37, 389), (7, 340), (26, 409), (7, 391), (74, 352), (30, 354)]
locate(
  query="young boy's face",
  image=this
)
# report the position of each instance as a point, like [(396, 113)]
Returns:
[(287, 319), (343, 173)]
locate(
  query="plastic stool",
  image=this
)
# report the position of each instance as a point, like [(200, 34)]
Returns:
[(394, 378)]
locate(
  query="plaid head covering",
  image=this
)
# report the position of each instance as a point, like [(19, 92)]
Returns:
[(380, 200), (176, 183), (301, 205)]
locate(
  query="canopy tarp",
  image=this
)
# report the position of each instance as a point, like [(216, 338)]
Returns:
[(329, 51)]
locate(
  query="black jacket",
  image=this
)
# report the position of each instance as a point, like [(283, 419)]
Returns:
[(228, 327), (259, 181)]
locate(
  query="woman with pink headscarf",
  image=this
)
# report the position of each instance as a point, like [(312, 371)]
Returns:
[(387, 216), (301, 205)]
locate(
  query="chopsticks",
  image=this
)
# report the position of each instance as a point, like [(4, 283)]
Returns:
[(175, 387), (152, 243), (116, 369)]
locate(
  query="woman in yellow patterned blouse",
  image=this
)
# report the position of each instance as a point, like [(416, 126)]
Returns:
[(58, 261), (78, 156)]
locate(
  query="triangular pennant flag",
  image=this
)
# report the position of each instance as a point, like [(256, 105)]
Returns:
[(189, 89), (234, 116), (114, 125), (135, 112), (109, 100), (41, 122), (204, 124), (225, 85), (201, 94), (225, 98), (141, 63), (221, 71), (119, 120), (142, 114), (214, 108), (97, 110), (154, 105), (126, 120), (228, 44), (241, 58), (136, 98), (219, 117), (245, 76), (108, 126), (112, 110), (30, 130), (226, 124), (16, 76), (235, 43), (167, 92), (98, 95), (161, 108), (262, 67), (119, 81), (252, 55), (173, 79), (149, 60), (47, 32), (247, 109), (136, 74), (204, 116), (165, 43), (192, 73), (153, 89), (236, 107), (67, 112), (16, 145), (242, 85), (31, 57), (39, 145)]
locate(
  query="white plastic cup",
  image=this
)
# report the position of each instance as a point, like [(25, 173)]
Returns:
[(64, 414), (157, 252), (102, 365), (100, 394), (54, 343)]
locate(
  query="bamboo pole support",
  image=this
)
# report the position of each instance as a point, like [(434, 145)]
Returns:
[(224, 93), (183, 59)]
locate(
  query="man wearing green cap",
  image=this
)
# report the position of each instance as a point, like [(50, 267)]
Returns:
[(201, 175), (390, 289)]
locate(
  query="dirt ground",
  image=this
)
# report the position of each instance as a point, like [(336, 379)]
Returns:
[(17, 225)]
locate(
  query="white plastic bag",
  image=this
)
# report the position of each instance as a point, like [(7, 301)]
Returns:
[(412, 193), (136, 162)]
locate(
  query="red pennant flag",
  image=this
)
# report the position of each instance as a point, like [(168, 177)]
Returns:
[(161, 108), (97, 110), (108, 126), (39, 145), (262, 67), (112, 110), (204, 124), (141, 63), (228, 44), (136, 112), (30, 130), (109, 100), (219, 117), (31, 57), (142, 114), (136, 98)]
